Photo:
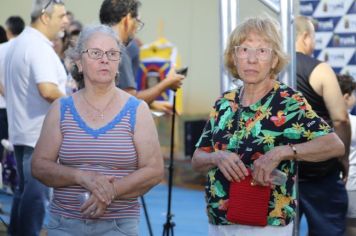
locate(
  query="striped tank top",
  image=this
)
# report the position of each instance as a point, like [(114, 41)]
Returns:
[(108, 150)]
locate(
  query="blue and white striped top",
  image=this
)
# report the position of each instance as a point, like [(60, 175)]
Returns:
[(109, 150)]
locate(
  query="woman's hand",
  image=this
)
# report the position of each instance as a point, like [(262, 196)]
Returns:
[(264, 165), (231, 165), (99, 185), (93, 208)]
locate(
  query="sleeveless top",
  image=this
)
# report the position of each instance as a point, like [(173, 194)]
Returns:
[(108, 150), (305, 66)]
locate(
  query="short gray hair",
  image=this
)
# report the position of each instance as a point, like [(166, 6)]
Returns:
[(39, 6), (74, 54)]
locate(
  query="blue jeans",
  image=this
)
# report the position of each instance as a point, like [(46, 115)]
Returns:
[(62, 226), (324, 204), (30, 198)]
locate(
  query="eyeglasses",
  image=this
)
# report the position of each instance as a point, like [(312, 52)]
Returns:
[(140, 24), (96, 54), (243, 52), (49, 3)]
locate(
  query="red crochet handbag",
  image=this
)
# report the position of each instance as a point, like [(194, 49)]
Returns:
[(248, 204)]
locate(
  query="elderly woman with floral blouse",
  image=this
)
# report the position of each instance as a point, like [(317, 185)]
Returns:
[(255, 129)]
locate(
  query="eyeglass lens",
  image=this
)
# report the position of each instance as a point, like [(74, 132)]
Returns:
[(260, 53), (97, 54), (140, 24)]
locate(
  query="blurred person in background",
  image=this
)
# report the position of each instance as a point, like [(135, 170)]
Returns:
[(73, 31), (34, 78), (348, 89), (123, 17), (322, 193), (60, 45), (14, 25), (3, 37)]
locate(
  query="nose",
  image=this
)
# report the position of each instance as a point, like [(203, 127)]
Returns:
[(104, 58), (252, 57)]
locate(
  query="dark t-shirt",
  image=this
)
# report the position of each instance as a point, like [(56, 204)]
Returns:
[(133, 50), (126, 75)]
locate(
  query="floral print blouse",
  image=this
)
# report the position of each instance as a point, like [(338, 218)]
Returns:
[(283, 116)]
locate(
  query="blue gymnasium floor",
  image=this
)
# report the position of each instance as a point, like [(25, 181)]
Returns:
[(188, 207)]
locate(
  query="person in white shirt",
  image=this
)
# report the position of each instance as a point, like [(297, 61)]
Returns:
[(14, 25), (34, 78)]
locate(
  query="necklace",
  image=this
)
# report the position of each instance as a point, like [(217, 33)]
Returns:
[(99, 111)]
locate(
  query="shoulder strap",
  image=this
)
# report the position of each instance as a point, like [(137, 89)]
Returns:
[(65, 103), (133, 103)]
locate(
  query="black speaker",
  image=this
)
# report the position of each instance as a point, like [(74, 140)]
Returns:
[(192, 130)]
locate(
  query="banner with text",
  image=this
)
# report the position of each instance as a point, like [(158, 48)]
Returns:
[(335, 37)]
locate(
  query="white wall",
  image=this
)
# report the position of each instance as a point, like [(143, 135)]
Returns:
[(193, 25)]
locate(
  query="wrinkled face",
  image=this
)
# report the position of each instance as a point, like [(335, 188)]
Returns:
[(57, 21), (98, 70), (254, 59)]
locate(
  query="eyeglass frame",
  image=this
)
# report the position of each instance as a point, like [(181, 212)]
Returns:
[(49, 3), (140, 24), (270, 50), (102, 53)]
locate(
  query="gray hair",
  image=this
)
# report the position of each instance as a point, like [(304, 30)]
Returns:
[(74, 54), (41, 6)]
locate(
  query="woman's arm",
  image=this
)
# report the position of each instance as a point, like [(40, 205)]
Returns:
[(319, 149), (45, 155), (150, 161), (47, 170), (229, 163), (203, 161)]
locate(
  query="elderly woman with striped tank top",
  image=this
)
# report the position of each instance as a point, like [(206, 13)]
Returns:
[(98, 148)]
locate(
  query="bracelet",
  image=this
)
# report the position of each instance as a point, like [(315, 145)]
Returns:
[(295, 153)]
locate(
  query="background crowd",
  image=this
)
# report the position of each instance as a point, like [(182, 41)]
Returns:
[(71, 108)]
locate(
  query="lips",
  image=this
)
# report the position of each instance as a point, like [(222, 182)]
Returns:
[(250, 72), (104, 71)]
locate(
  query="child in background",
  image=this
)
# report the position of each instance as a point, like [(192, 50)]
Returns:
[(348, 87)]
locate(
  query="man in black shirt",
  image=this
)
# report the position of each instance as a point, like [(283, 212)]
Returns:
[(322, 193)]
